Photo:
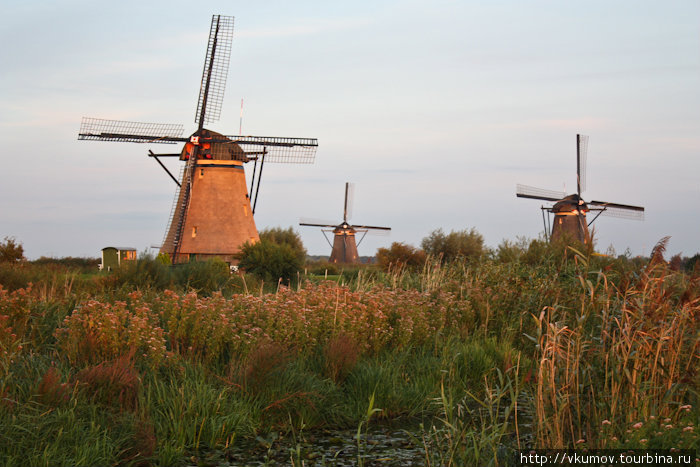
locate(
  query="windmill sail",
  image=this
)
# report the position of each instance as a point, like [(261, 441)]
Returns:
[(349, 200), (216, 61), (98, 129), (370, 227), (525, 191), (623, 211), (277, 149), (581, 156)]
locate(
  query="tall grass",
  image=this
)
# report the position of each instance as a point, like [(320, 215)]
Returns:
[(536, 346)]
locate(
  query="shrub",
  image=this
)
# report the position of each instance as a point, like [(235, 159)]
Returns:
[(280, 236), (15, 311), (14, 276), (691, 263), (69, 262), (509, 251), (97, 331), (467, 244), (400, 255), (270, 261), (143, 273), (205, 276), (323, 268)]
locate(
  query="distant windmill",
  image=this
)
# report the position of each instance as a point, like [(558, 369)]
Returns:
[(570, 211), (344, 247), (212, 214)]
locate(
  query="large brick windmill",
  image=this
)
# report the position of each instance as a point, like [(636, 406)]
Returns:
[(344, 247), (212, 215), (570, 211)]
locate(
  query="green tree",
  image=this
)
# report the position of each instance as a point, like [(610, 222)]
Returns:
[(466, 244), (11, 251)]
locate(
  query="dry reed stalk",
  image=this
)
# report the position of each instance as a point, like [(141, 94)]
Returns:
[(559, 405), (641, 344)]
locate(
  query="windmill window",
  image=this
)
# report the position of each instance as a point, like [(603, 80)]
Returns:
[(201, 173), (245, 210), (194, 231)]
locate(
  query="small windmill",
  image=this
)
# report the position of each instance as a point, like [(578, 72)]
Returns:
[(344, 247), (570, 211), (212, 215)]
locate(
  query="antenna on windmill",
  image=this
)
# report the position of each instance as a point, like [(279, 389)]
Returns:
[(344, 247), (570, 211), (211, 215), (240, 122)]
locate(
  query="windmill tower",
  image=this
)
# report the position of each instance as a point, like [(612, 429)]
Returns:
[(344, 247), (212, 214), (570, 211)]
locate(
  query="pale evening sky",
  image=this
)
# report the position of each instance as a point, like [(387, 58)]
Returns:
[(434, 109)]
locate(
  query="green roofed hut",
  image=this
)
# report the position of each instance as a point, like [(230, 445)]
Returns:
[(112, 256)]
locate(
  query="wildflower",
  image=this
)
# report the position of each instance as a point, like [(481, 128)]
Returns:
[(606, 422), (668, 427), (688, 428), (637, 426), (580, 441), (643, 440)]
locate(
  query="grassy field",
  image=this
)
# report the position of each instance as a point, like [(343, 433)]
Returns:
[(536, 346)]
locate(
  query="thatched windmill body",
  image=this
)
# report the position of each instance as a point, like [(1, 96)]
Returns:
[(212, 214), (344, 246), (570, 212)]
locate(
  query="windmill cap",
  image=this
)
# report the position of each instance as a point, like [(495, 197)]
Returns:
[(570, 203)]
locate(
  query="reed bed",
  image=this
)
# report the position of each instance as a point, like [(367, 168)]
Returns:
[(544, 347)]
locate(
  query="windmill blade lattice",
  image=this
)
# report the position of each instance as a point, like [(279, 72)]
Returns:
[(349, 200), (97, 129), (216, 62), (623, 214), (373, 229), (581, 157), (525, 191), (623, 211), (278, 149), (325, 225)]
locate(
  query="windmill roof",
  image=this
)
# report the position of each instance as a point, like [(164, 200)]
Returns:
[(569, 203)]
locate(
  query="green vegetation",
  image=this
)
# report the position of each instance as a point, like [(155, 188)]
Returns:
[(400, 255), (530, 345), (464, 244), (11, 251), (279, 255)]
